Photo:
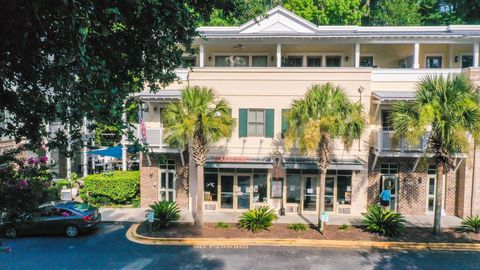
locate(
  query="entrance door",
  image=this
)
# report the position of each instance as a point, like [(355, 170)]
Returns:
[(309, 193), (167, 185), (391, 181), (329, 193), (226, 191), (431, 193), (243, 191)]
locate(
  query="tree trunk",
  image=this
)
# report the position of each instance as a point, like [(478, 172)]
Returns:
[(438, 199), (321, 205), (199, 204)]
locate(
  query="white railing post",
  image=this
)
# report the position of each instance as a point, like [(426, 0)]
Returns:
[(357, 55), (279, 55)]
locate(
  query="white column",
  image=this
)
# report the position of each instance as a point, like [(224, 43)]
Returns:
[(416, 56), (201, 55), (476, 54), (85, 149), (357, 55), (124, 142), (279, 55)]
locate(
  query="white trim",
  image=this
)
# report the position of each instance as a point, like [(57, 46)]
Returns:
[(357, 55), (279, 55), (416, 56)]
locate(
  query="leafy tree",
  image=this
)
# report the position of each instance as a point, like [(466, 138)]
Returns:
[(393, 13), (63, 60), (435, 12), (198, 120), (322, 116), (450, 108)]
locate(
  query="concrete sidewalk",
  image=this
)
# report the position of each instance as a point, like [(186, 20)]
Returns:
[(138, 215)]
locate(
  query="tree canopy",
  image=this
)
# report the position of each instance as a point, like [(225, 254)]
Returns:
[(66, 60), (361, 12)]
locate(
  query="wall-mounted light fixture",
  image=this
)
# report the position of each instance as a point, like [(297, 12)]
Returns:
[(272, 58), (420, 180), (456, 59), (346, 58), (209, 59)]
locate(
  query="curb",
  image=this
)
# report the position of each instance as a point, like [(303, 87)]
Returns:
[(238, 242)]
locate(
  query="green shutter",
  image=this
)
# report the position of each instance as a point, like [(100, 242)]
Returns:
[(242, 122), (269, 119), (284, 122)]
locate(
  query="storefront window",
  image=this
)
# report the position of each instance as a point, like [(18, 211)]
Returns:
[(211, 182), (293, 188), (344, 189), (259, 188)]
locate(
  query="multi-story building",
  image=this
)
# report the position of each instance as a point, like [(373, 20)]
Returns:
[(262, 66)]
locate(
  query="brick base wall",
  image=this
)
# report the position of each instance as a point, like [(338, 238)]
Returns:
[(149, 179), (412, 186)]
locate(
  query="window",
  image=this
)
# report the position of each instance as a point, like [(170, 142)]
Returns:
[(333, 61), (344, 189), (366, 61), (259, 61), (167, 164), (210, 188), (293, 188), (434, 62), (188, 61), (256, 123), (314, 61), (387, 124), (222, 61), (467, 61), (259, 188), (389, 168), (293, 61), (240, 61)]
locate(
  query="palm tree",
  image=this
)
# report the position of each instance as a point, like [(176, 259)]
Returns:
[(448, 110), (198, 120), (322, 116)]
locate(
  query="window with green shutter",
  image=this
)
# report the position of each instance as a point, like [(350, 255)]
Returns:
[(256, 123)]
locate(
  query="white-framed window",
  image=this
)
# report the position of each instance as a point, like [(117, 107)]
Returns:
[(432, 185), (256, 122), (293, 61), (241, 60), (366, 61), (333, 60), (467, 60), (314, 61), (189, 61), (434, 61)]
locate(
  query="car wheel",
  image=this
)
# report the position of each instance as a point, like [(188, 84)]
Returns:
[(71, 231), (10, 232)]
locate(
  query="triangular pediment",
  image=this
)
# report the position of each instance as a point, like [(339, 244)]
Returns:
[(278, 20)]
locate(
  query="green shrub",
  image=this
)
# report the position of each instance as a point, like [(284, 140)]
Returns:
[(165, 213), (222, 225), (383, 221), (119, 187), (60, 183), (471, 224), (258, 219), (297, 227), (136, 202), (344, 227)]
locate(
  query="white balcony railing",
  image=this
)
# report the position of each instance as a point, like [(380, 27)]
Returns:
[(385, 142), (154, 136)]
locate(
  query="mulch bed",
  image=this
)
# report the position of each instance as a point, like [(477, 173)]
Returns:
[(281, 231)]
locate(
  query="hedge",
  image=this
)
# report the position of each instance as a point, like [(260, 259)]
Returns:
[(119, 187)]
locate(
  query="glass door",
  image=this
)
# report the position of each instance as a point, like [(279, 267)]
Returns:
[(167, 185), (243, 191), (226, 191), (310, 193), (390, 182), (329, 193), (431, 193)]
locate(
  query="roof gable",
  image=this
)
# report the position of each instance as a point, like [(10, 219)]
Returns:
[(278, 20)]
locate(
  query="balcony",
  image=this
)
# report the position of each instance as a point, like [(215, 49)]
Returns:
[(385, 144), (154, 139)]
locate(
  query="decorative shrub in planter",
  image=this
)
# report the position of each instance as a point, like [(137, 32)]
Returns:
[(259, 219), (165, 213), (297, 227), (383, 221), (471, 224), (119, 187)]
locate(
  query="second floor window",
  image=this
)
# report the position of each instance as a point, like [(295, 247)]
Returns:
[(434, 62), (293, 61), (256, 123), (188, 61), (314, 61), (467, 61), (333, 60), (259, 61), (366, 61), (387, 124)]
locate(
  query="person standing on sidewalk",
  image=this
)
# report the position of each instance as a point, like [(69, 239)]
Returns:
[(385, 197)]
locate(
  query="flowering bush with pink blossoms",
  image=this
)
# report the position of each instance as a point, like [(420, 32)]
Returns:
[(24, 184)]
